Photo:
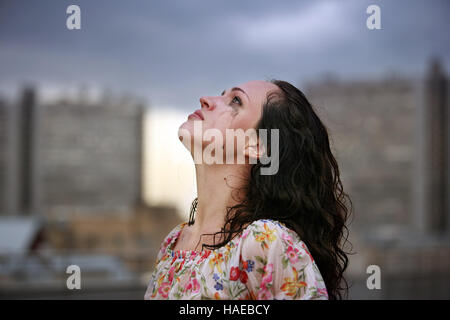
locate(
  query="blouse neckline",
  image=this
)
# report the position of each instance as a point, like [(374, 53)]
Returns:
[(183, 253), (206, 252)]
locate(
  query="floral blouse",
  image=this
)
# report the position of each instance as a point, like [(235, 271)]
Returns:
[(266, 261)]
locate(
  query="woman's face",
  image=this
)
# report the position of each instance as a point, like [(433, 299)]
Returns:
[(239, 107)]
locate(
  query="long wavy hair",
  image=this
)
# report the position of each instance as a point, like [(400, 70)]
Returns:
[(306, 193)]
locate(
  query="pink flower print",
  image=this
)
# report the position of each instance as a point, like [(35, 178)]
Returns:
[(203, 257), (164, 289), (163, 248), (306, 249), (292, 254), (193, 286), (267, 275), (264, 294), (171, 273), (286, 238), (323, 292)]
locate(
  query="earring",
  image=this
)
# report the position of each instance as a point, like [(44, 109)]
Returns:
[(193, 211)]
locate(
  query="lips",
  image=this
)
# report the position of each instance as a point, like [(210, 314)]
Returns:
[(199, 114)]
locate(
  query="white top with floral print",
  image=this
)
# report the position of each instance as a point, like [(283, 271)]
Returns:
[(266, 261)]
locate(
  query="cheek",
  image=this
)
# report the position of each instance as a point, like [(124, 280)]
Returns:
[(244, 121), (222, 122)]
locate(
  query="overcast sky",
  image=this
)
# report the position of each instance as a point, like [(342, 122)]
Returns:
[(172, 52)]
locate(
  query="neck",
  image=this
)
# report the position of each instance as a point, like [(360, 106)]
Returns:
[(217, 189)]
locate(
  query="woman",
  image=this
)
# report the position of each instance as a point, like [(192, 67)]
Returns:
[(258, 236)]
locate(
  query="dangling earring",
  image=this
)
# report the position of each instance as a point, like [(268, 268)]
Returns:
[(193, 211)]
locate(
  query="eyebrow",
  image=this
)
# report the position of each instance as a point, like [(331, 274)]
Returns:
[(237, 89)]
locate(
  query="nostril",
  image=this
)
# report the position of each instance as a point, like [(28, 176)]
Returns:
[(204, 103)]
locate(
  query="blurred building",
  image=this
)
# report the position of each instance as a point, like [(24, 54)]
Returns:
[(6, 158), (135, 237), (116, 254), (73, 167), (372, 127), (391, 139), (74, 156), (436, 155)]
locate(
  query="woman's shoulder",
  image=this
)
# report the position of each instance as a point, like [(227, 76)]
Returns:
[(266, 236), (267, 231), (269, 226), (171, 236)]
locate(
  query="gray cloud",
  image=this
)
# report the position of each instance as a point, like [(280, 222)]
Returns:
[(172, 52)]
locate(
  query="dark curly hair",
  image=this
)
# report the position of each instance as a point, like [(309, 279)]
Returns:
[(306, 193)]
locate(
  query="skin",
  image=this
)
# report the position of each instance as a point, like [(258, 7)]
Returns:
[(233, 109)]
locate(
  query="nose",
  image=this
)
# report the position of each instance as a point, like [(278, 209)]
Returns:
[(207, 103)]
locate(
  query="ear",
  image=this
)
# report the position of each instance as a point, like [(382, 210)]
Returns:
[(254, 149)]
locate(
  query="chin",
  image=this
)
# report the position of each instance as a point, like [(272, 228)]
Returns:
[(187, 125), (185, 131)]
